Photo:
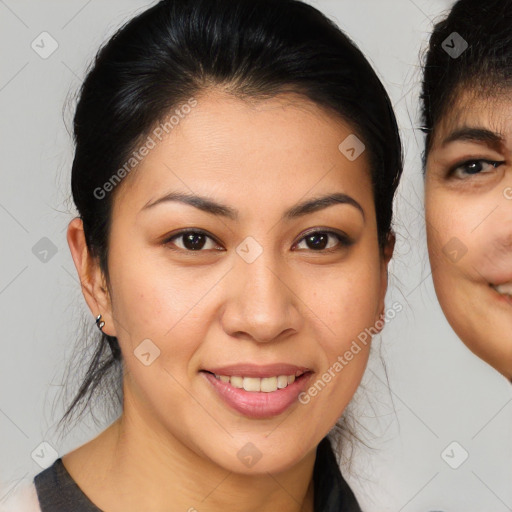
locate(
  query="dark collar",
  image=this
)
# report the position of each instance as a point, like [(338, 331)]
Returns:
[(58, 492), (332, 493)]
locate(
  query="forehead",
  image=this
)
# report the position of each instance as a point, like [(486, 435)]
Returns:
[(286, 144), (491, 111)]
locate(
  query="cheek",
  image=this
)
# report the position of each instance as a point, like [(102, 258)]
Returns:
[(449, 221), (346, 305), (346, 321), (155, 301), (461, 230), (354, 303), (164, 316)]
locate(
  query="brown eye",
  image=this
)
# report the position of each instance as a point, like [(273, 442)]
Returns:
[(318, 241), (191, 240)]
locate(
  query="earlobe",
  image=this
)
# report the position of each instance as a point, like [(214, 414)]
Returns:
[(390, 246), (91, 278), (379, 324), (386, 257)]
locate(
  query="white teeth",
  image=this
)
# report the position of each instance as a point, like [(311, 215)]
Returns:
[(504, 289), (237, 382), (252, 384), (282, 381), (265, 384), (269, 384)]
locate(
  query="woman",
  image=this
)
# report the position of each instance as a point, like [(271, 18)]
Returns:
[(468, 187), (234, 173)]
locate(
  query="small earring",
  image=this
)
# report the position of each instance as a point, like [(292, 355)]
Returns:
[(100, 323)]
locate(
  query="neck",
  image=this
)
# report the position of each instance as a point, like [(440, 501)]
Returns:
[(160, 470)]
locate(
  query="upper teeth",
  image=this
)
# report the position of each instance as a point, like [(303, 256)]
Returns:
[(266, 384), (505, 289)]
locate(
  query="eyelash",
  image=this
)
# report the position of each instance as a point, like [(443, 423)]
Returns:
[(344, 240), (452, 170)]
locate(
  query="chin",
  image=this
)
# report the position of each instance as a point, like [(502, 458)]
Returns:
[(252, 458)]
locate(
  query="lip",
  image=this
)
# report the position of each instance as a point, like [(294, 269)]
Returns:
[(251, 370), (505, 299), (257, 404), (501, 282)]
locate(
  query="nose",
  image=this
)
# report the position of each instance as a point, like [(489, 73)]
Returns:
[(261, 304)]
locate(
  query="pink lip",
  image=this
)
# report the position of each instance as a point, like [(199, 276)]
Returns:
[(255, 404), (503, 298), (251, 370)]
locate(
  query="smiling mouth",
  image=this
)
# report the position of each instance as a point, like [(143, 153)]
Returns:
[(503, 289), (258, 392), (256, 384)]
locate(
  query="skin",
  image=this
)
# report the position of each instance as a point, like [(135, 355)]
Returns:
[(473, 206), (176, 440)]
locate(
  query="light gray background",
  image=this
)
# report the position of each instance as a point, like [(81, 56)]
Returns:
[(440, 392)]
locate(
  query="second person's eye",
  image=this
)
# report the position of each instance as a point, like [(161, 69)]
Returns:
[(472, 167)]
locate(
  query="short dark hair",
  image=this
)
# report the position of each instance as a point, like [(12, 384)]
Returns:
[(254, 49), (486, 63)]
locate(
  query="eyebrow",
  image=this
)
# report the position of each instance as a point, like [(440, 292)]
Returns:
[(209, 206), (481, 135)]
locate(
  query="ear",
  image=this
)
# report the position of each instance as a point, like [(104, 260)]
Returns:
[(92, 280), (387, 253)]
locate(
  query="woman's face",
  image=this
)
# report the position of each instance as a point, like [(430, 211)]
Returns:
[(469, 224), (264, 293)]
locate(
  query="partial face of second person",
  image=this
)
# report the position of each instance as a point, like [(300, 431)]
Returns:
[(468, 197), (268, 281)]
